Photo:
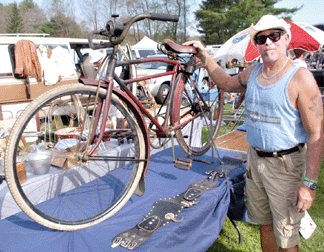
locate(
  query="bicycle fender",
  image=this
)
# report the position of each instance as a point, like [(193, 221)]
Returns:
[(142, 124)]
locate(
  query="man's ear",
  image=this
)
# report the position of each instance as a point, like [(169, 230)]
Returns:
[(286, 36)]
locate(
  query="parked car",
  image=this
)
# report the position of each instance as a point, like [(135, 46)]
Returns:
[(159, 87), (143, 52)]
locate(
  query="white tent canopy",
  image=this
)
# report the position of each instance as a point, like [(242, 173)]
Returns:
[(146, 42)]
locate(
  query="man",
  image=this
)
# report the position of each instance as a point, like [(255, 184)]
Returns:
[(320, 61), (91, 64), (283, 112), (301, 59)]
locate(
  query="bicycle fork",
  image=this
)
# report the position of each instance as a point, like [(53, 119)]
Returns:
[(95, 122), (111, 61)]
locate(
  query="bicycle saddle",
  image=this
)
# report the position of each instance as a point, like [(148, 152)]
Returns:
[(172, 46)]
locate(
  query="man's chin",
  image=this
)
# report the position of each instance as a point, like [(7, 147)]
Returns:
[(269, 56)]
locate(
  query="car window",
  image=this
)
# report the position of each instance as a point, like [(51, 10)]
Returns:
[(154, 65), (143, 53), (120, 56), (5, 63)]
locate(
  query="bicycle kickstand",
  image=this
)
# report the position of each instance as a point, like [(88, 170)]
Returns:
[(206, 161)]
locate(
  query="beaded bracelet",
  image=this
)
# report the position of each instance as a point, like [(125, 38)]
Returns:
[(307, 179)]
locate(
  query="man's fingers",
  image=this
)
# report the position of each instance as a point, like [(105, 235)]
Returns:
[(300, 206), (303, 206)]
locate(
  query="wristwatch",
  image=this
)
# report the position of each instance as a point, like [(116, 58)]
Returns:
[(310, 185)]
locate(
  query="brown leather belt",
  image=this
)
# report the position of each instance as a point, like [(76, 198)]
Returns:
[(279, 153)]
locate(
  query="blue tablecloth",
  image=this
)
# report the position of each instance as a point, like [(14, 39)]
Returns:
[(200, 228)]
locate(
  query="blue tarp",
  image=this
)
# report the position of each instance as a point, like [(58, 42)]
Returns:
[(241, 127), (200, 228)]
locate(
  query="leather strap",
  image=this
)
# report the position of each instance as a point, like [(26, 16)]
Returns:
[(162, 213)]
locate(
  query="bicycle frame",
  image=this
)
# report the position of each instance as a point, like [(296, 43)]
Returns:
[(165, 128), (122, 83)]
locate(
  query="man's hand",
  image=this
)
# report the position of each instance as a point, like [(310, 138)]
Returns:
[(304, 198), (200, 48)]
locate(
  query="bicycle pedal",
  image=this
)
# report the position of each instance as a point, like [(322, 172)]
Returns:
[(183, 163)]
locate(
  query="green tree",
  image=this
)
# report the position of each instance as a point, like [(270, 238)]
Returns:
[(62, 22), (16, 22), (221, 19), (28, 4), (3, 18), (33, 16), (62, 26)]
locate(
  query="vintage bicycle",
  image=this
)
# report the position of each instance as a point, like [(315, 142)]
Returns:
[(86, 146)]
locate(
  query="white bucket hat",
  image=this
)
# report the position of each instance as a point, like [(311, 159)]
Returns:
[(96, 55), (268, 22)]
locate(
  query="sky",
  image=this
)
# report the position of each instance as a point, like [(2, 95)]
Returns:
[(311, 13)]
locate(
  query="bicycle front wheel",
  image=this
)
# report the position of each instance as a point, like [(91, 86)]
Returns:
[(197, 111), (48, 171)]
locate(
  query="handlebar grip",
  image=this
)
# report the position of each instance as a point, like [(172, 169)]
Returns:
[(164, 17)]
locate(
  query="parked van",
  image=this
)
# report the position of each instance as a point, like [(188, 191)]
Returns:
[(59, 59), (20, 88), (59, 62)]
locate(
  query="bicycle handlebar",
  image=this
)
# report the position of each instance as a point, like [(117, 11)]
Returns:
[(164, 17), (116, 32)]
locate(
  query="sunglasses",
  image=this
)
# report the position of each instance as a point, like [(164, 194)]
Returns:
[(274, 37)]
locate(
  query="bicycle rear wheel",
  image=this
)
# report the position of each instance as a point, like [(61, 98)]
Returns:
[(63, 188), (197, 111)]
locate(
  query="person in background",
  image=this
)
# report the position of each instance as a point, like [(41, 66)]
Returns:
[(320, 61), (301, 60), (284, 124), (313, 60), (91, 63)]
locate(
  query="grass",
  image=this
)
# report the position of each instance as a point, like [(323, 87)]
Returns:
[(228, 237)]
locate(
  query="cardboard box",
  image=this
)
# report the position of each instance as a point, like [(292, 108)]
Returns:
[(65, 158), (21, 171)]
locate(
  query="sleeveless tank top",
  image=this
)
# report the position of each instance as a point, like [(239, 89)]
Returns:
[(272, 123)]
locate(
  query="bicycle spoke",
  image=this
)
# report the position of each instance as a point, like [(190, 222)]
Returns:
[(66, 188), (199, 107)]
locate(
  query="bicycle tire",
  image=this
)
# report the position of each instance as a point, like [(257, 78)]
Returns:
[(76, 193), (188, 105)]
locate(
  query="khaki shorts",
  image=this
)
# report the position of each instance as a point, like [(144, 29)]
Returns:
[(270, 191)]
